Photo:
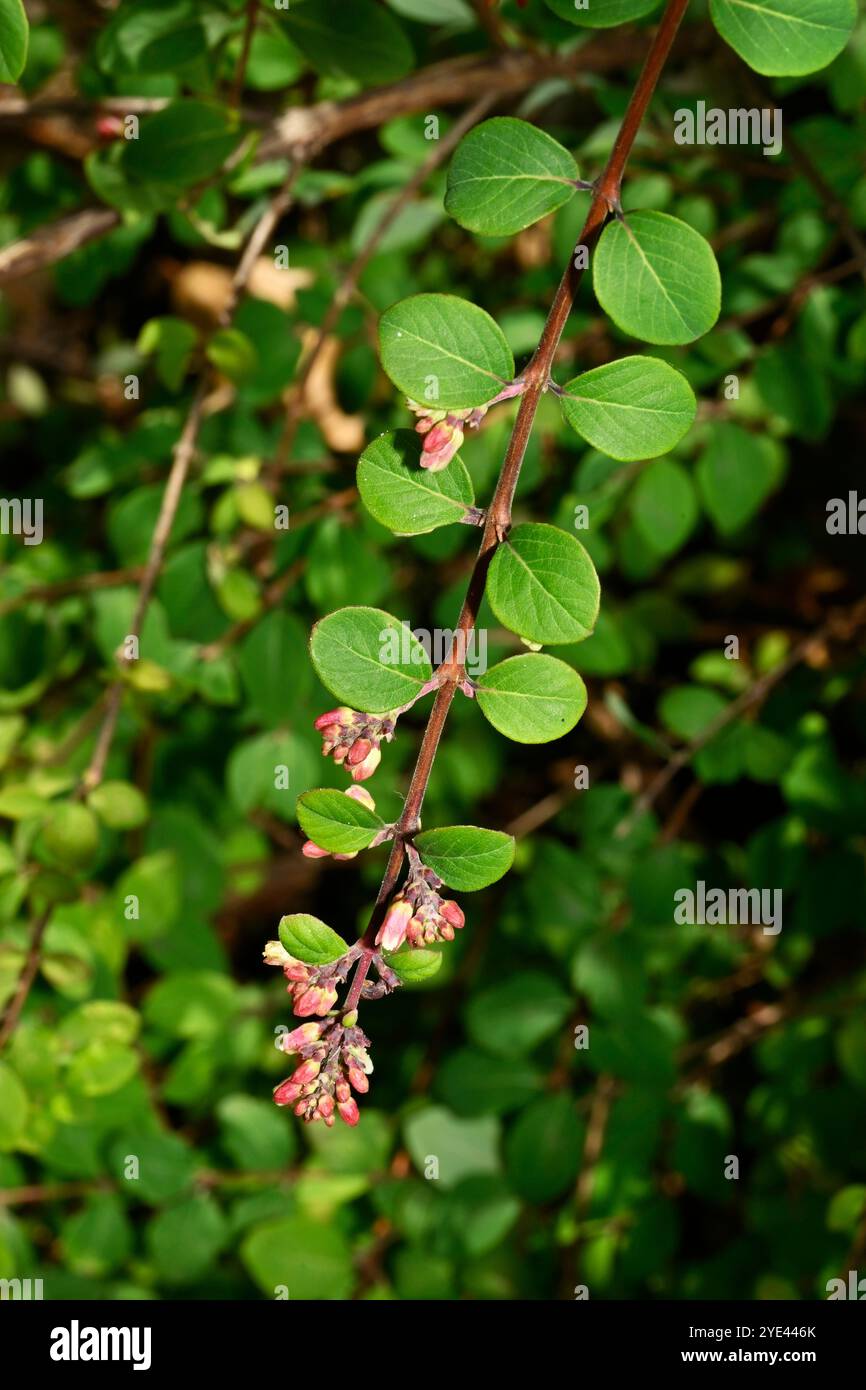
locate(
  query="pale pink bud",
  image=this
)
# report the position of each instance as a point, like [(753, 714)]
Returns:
[(309, 1002), (313, 851), (300, 1037), (446, 931), (306, 1072), (287, 1092), (326, 1106), (339, 754), (361, 771), (437, 438), (361, 794), (296, 971), (452, 913), (349, 1112), (358, 752), (343, 1092), (415, 931), (358, 1079), (392, 932), (342, 715), (275, 953)]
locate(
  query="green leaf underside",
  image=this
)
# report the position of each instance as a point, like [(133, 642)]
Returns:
[(657, 278), (310, 940), (14, 35), (543, 585), (348, 650), (634, 408), (405, 497), (360, 40), (785, 38), (337, 822), (414, 965), (444, 351), (189, 140), (466, 857), (602, 14), (505, 175), (532, 698)]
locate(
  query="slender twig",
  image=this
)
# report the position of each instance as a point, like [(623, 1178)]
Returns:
[(182, 457), (77, 584), (605, 202), (246, 46)]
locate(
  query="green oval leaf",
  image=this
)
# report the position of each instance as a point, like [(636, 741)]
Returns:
[(634, 408), (14, 33), (506, 174), (543, 585), (337, 822), (361, 40), (369, 659), (119, 805), (187, 141), (309, 940), (664, 506), (532, 698), (735, 476), (657, 278), (602, 14), (444, 351), (543, 1150), (415, 965), (785, 38), (466, 857), (405, 497)]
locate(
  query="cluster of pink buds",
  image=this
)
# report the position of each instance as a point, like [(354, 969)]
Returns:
[(314, 851), (419, 914), (333, 1061), (313, 988), (443, 432), (353, 738)]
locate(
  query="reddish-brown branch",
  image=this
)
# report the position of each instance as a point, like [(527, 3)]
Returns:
[(536, 377)]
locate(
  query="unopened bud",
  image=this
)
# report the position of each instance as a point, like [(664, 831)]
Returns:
[(306, 1072), (361, 771), (392, 932), (452, 913), (287, 1092), (313, 851), (358, 752), (358, 1079), (349, 1112), (275, 953), (300, 1037), (361, 794)]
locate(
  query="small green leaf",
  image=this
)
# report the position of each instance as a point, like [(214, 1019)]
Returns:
[(735, 476), (513, 1017), (532, 698), (657, 278), (461, 1147), (602, 14), (72, 835), (466, 857), (171, 342), (309, 940), (405, 497), (415, 965), (13, 1108), (119, 805), (543, 1150), (543, 585), (232, 353), (185, 142), (634, 408), (337, 822), (506, 174), (664, 506), (369, 659), (444, 352), (785, 38), (14, 32), (360, 40), (309, 1259)]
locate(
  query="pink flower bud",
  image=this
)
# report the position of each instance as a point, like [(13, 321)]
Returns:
[(452, 913), (287, 1092), (361, 771), (361, 794), (343, 1092), (313, 851), (306, 1072), (446, 931), (437, 438), (296, 971), (308, 1002), (358, 752), (300, 1037), (342, 715), (392, 932), (358, 1080), (349, 1112), (415, 931), (332, 733), (326, 1106), (339, 753)]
